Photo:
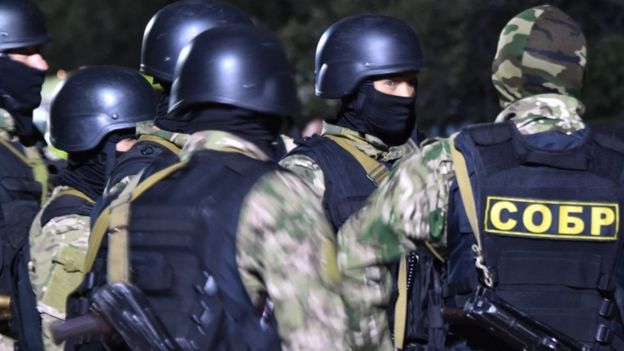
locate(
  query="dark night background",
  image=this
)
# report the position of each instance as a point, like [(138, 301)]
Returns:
[(459, 38)]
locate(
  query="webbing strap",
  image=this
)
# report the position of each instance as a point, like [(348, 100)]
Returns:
[(162, 142), (131, 192), (76, 193), (35, 162), (400, 307), (375, 171), (330, 265), (434, 252), (118, 267), (40, 171), (14, 151), (465, 188), (467, 196)]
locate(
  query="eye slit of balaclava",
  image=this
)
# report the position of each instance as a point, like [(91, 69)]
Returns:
[(390, 118)]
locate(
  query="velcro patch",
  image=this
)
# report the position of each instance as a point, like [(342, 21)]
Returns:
[(567, 220)]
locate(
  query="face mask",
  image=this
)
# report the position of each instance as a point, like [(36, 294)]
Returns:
[(20, 86), (388, 117)]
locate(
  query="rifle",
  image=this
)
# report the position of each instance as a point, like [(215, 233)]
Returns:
[(121, 308), (488, 311)]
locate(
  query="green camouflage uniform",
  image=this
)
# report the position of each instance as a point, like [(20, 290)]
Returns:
[(146, 128), (309, 170), (57, 254), (281, 230), (410, 207)]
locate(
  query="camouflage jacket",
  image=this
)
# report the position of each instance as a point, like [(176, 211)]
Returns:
[(309, 170), (281, 232), (410, 208), (57, 254), (7, 125)]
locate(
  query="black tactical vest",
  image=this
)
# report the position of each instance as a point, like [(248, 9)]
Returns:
[(20, 195), (550, 224), (65, 205), (183, 255), (140, 155), (346, 183)]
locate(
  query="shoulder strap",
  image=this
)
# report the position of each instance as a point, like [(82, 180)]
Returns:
[(40, 171), (14, 151), (33, 160), (400, 307), (76, 193), (465, 190), (375, 171), (162, 142), (68, 201), (118, 222)]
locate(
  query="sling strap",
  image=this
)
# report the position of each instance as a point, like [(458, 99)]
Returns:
[(467, 196), (117, 223), (162, 142), (375, 171)]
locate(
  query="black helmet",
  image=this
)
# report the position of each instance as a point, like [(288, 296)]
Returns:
[(175, 25), (237, 65), (95, 101), (21, 24), (361, 46)]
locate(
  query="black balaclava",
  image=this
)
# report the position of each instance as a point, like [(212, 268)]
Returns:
[(88, 171), (163, 104), (20, 94), (390, 118), (260, 129)]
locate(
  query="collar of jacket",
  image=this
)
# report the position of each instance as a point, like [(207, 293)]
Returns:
[(221, 141), (149, 128), (545, 112), (370, 145)]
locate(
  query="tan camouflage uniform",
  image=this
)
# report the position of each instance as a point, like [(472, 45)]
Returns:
[(147, 128), (309, 170), (410, 207), (57, 255)]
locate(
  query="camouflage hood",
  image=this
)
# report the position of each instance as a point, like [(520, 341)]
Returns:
[(541, 50)]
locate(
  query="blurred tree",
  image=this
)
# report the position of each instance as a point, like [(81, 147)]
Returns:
[(459, 38), (90, 32)]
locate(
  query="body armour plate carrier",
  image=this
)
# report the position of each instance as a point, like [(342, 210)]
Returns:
[(183, 254), (142, 154), (346, 183), (20, 195), (550, 224)]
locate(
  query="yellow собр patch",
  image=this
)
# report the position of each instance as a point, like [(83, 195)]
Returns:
[(566, 220)]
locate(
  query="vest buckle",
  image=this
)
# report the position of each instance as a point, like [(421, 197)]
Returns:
[(607, 309), (604, 335)]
